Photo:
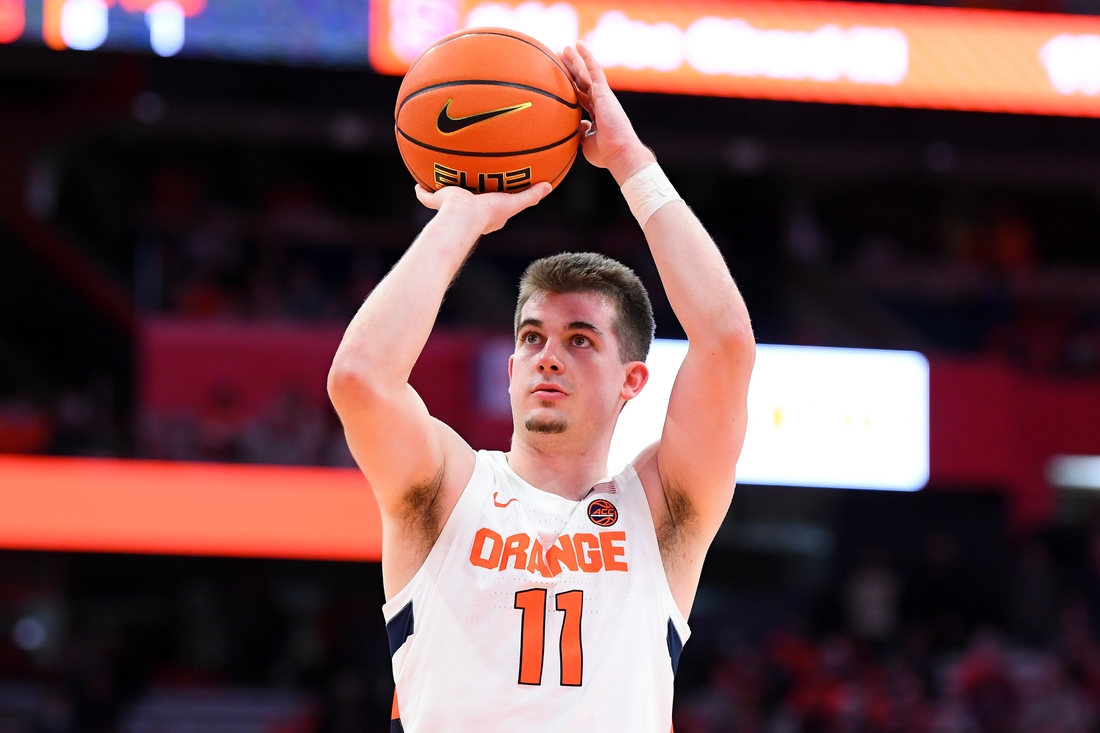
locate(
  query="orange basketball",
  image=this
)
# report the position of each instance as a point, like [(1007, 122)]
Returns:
[(488, 109)]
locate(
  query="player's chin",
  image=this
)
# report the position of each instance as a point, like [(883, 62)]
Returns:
[(546, 422)]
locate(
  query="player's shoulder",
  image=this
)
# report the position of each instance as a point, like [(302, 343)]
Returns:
[(459, 460), (645, 463), (649, 474)]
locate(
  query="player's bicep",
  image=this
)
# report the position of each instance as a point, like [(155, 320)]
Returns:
[(705, 425), (396, 442)]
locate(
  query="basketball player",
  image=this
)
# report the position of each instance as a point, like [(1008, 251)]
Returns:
[(528, 591)]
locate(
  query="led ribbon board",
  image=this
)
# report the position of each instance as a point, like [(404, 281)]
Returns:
[(283, 31), (839, 418), (163, 507), (855, 53)]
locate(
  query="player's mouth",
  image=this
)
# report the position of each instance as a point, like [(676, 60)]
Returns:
[(548, 392)]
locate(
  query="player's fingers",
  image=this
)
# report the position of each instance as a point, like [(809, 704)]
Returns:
[(563, 57), (426, 197), (587, 128), (581, 71), (571, 60), (590, 144), (585, 100), (591, 66), (530, 196), (567, 55)]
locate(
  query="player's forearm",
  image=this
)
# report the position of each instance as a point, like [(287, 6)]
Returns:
[(386, 336)]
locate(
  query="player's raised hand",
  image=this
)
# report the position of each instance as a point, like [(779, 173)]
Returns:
[(609, 140), (490, 210)]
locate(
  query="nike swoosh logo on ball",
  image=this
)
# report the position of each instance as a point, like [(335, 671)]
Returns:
[(448, 125)]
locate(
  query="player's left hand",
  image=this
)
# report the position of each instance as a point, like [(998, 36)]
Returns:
[(608, 140), (487, 212)]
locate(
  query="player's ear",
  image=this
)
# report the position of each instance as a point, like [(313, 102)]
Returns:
[(511, 359), (637, 374)]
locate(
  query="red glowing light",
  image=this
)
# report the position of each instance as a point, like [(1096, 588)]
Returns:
[(13, 18)]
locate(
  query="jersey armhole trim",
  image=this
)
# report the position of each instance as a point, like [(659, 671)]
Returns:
[(400, 628)]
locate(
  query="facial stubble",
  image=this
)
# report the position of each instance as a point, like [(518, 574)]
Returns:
[(546, 427)]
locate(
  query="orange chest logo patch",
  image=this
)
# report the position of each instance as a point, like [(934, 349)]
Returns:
[(603, 513)]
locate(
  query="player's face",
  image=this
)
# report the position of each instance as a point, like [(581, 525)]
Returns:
[(566, 374)]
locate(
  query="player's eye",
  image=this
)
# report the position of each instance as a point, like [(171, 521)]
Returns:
[(580, 341), (530, 338)]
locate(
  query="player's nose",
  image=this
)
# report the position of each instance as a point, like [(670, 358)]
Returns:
[(549, 362)]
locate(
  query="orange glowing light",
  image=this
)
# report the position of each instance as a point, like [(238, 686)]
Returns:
[(160, 507), (51, 24)]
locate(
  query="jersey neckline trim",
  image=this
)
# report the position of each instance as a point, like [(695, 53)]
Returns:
[(543, 500)]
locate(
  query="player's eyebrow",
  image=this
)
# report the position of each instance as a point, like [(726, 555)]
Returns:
[(583, 326), (533, 322)]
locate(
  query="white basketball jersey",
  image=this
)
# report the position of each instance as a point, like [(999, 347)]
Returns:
[(535, 613)]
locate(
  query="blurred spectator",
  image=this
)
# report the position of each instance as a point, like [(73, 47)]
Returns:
[(1034, 596), (805, 241), (940, 594), (1012, 244), (871, 598), (305, 298), (982, 680), (1089, 583), (24, 427), (290, 434), (220, 427)]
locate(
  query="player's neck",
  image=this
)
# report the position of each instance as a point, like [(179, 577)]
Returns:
[(558, 467)]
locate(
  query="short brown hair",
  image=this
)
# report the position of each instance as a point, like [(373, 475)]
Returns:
[(582, 272)]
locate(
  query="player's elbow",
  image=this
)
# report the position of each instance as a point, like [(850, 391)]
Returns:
[(347, 384), (341, 381), (735, 338)]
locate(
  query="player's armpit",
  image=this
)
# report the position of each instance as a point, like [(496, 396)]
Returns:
[(704, 428), (695, 462), (402, 450), (416, 465)]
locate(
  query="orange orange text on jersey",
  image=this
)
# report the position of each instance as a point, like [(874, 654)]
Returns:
[(589, 553)]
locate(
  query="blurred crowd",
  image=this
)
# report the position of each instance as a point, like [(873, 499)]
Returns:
[(102, 644), (993, 278), (84, 422), (991, 293), (922, 659), (989, 282), (790, 683), (291, 432), (95, 644), (289, 257)]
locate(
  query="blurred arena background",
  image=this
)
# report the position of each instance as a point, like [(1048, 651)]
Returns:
[(194, 199)]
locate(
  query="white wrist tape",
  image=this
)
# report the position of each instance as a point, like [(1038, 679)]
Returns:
[(648, 190)]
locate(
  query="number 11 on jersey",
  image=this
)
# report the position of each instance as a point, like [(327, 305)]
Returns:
[(532, 645)]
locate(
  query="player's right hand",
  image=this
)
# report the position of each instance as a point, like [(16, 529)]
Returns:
[(490, 211), (608, 139)]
